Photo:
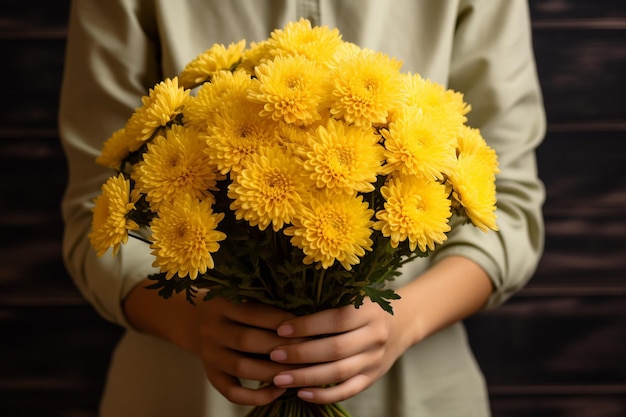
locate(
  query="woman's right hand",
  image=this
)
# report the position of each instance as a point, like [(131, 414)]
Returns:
[(233, 340)]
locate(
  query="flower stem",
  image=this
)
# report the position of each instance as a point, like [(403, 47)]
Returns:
[(320, 287)]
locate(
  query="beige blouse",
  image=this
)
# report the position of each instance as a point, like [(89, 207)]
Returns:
[(117, 49)]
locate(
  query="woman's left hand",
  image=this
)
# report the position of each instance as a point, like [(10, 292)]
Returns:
[(347, 351)]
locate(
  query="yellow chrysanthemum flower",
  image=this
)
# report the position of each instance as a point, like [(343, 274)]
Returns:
[(174, 165), (317, 43), (416, 209), (473, 179), (434, 97), (290, 89), (208, 104), (471, 142), (163, 106), (184, 236), (269, 189), (257, 53), (344, 158), (110, 223), (345, 51), (215, 59), (366, 88), (295, 138), (115, 149), (333, 229), (416, 145), (236, 135)]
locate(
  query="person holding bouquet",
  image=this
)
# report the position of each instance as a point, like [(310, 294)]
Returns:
[(177, 358)]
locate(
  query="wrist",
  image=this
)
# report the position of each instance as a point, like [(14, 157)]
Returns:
[(173, 319), (451, 290)]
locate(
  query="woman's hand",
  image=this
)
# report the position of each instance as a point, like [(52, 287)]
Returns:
[(351, 348), (233, 340), (346, 348)]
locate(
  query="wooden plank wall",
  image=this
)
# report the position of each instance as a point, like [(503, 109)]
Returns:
[(557, 349)]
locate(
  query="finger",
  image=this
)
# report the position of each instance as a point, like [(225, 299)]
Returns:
[(232, 390), (336, 393), (254, 314), (323, 374), (248, 367), (247, 339), (325, 349), (331, 321)]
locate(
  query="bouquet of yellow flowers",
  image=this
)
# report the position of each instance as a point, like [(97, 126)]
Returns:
[(301, 171)]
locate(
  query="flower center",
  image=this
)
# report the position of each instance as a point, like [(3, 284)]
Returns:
[(371, 86), (333, 227), (243, 131), (293, 83), (180, 231), (344, 157), (275, 185), (174, 161)]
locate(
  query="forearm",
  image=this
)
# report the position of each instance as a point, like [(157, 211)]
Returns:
[(171, 319), (453, 289), (493, 66)]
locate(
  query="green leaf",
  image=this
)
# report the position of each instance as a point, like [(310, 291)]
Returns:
[(381, 297)]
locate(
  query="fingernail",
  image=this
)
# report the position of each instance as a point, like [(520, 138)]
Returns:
[(305, 395), (285, 330), (283, 380), (278, 355)]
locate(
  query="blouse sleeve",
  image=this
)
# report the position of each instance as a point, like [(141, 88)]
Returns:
[(110, 64), (493, 65)]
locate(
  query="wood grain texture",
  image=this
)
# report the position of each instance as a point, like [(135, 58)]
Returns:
[(32, 69), (553, 340), (35, 19), (566, 10), (582, 74)]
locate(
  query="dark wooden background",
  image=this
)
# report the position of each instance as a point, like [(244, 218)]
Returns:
[(557, 349)]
